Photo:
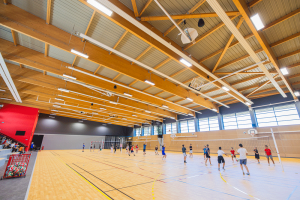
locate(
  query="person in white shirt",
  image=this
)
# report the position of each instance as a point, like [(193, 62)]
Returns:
[(221, 158), (243, 158)]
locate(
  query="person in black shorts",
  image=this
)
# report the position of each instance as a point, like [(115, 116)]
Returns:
[(221, 158), (83, 147), (207, 154), (256, 154), (191, 151)]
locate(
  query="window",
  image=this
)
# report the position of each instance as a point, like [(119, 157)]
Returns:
[(237, 120), (147, 130), (138, 132), (171, 128), (187, 126), (277, 116), (209, 124)]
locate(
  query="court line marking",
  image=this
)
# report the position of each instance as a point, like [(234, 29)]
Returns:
[(29, 184), (94, 186), (237, 188), (292, 193), (103, 181), (154, 185)]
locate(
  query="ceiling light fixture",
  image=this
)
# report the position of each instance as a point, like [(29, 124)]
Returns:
[(59, 99), (257, 22), (248, 104), (100, 7), (79, 53), (54, 110), (124, 118), (149, 82), (102, 108), (185, 62), (63, 90), (297, 93), (189, 99), (214, 109), (5, 99), (112, 102), (70, 77), (134, 115), (284, 71), (52, 117), (56, 106), (52, 114), (127, 94), (225, 88), (164, 106), (2, 90), (147, 111), (84, 119)]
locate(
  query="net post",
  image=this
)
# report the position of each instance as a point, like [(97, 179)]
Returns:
[(276, 148)]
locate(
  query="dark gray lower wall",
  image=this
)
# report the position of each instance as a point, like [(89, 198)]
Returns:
[(61, 142), (71, 126)]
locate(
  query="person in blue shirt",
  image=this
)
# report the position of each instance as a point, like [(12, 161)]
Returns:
[(204, 151), (163, 152), (31, 146), (83, 147), (144, 149)]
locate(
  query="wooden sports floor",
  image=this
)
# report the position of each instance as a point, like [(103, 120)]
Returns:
[(72, 174)]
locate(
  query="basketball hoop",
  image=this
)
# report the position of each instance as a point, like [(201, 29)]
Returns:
[(196, 84), (252, 132), (173, 135)]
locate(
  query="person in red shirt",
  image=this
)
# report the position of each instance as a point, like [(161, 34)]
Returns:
[(232, 151), (269, 155)]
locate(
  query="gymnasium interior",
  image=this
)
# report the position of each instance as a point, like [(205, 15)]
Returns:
[(149, 99)]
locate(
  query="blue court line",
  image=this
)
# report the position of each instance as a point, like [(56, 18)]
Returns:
[(292, 193), (212, 189)]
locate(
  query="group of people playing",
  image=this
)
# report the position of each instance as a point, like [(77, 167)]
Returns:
[(241, 151), (10, 144)]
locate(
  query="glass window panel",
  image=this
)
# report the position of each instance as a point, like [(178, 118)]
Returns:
[(277, 115)]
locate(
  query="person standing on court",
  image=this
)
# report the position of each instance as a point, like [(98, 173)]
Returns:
[(31, 146), (191, 151), (115, 148), (83, 147), (163, 152), (156, 150), (221, 158), (256, 154), (184, 153), (112, 148), (207, 155), (121, 147), (268, 153), (144, 149), (204, 151), (243, 158)]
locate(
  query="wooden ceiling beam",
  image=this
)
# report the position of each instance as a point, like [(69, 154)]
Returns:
[(227, 45), (226, 73), (242, 7), (159, 46), (211, 31), (170, 97), (20, 54), (13, 34), (46, 50), (49, 86), (89, 24), (120, 39), (186, 16), (162, 63), (135, 10), (253, 3), (145, 7), (261, 86), (195, 7), (179, 72), (159, 93), (98, 68), (133, 82), (143, 53), (48, 16), (116, 76), (282, 19)]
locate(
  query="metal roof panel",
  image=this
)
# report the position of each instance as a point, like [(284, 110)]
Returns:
[(37, 8)]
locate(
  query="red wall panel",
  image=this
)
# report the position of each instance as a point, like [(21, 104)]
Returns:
[(18, 118)]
